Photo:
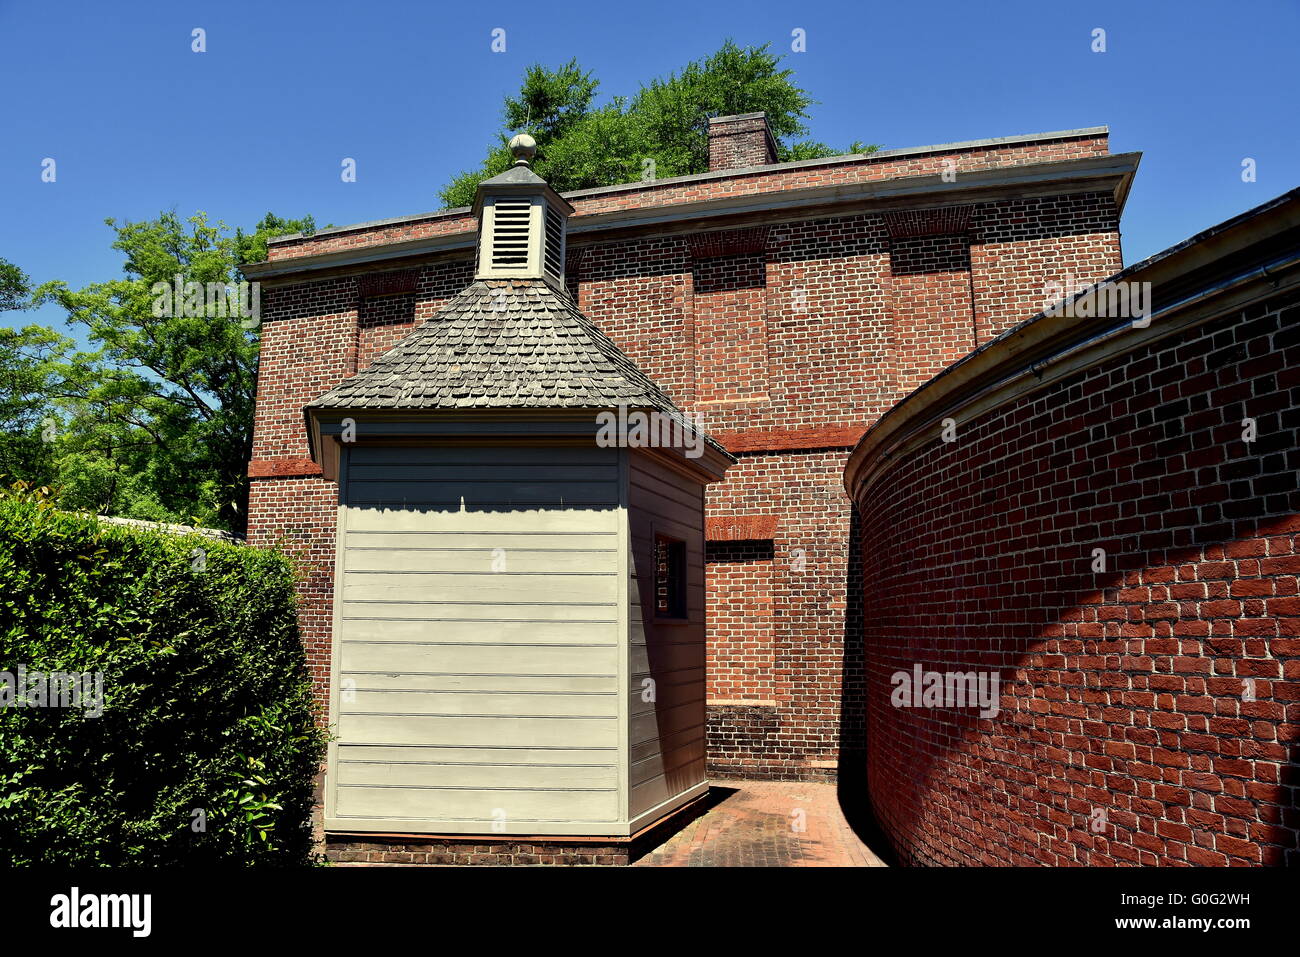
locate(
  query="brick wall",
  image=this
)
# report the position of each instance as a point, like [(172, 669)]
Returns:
[(780, 721), (1019, 246), (731, 342), (298, 515), (742, 650), (930, 287), (789, 339), (1150, 711)]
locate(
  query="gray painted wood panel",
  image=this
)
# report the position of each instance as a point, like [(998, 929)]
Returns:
[(516, 808), (495, 776), (480, 659), (476, 730), (492, 633), (425, 610), (496, 589), (501, 558), (486, 757), (471, 631), (479, 640), (660, 762), (666, 735), (363, 699)]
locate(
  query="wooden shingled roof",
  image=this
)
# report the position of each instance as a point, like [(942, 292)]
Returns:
[(502, 344)]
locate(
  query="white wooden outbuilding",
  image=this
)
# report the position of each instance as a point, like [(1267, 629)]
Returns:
[(519, 621)]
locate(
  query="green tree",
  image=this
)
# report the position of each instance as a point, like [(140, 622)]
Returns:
[(29, 363), (14, 286), (581, 145), (155, 420)]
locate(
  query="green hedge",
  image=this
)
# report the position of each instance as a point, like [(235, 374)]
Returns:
[(206, 748)]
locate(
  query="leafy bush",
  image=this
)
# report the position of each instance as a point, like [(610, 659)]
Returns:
[(206, 748)]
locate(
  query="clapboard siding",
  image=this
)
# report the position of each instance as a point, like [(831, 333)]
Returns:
[(666, 735), (483, 659), (473, 684), (484, 611), (690, 751), (540, 704), (662, 658), (501, 559), (478, 455), (497, 631), (453, 730), (497, 589), (494, 634), (469, 494), (516, 808), (670, 691), (666, 719), (656, 749), (482, 757), (353, 772), (486, 527), (413, 540), (660, 787), (445, 472), (479, 645), (689, 631)]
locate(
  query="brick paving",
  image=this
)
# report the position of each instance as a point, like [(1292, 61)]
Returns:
[(750, 824), (766, 824)]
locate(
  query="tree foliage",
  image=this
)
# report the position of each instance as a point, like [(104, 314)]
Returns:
[(14, 286), (582, 144), (154, 420)]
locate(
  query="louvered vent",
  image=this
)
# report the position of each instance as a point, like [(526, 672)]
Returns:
[(553, 253), (522, 222), (511, 220)]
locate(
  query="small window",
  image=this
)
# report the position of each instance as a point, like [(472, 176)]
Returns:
[(670, 577)]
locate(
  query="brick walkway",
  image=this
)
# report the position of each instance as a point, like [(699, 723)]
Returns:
[(757, 824), (766, 824)]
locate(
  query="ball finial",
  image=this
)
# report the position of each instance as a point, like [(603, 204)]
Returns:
[(524, 148)]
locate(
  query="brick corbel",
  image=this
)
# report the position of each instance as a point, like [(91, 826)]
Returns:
[(728, 242), (396, 282), (916, 223)]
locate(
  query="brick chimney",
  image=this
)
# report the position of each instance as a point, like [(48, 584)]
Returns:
[(736, 142)]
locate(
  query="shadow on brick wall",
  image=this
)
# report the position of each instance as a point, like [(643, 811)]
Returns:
[(1155, 692), (851, 778)]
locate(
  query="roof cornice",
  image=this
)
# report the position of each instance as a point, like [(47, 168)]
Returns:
[(1111, 173), (838, 160)]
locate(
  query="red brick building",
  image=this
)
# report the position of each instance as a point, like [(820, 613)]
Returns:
[(790, 304), (1111, 527)]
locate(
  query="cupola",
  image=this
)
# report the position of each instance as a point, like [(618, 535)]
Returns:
[(522, 222)]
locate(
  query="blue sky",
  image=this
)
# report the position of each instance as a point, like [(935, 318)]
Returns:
[(138, 123)]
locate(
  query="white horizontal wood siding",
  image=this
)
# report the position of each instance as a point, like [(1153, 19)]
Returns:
[(665, 736), (480, 642)]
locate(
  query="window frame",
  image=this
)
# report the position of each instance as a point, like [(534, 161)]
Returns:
[(679, 612)]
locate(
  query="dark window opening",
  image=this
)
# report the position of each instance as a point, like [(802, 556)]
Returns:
[(670, 577)]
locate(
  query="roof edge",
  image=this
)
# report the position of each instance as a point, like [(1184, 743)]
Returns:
[(722, 174), (1095, 170)]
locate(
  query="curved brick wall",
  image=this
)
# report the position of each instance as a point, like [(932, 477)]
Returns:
[(1124, 692)]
